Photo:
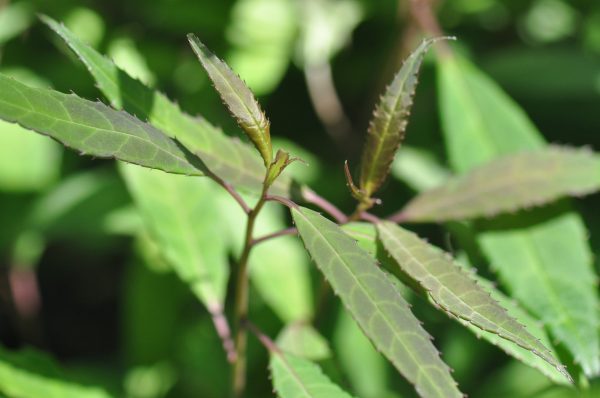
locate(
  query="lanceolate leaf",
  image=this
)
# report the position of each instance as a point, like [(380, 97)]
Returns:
[(93, 128), (388, 125), (453, 290), (294, 377), (230, 159), (182, 215), (375, 303), (366, 236), (543, 257), (238, 98), (510, 183)]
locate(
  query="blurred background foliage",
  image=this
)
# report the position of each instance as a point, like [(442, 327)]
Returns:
[(82, 282)]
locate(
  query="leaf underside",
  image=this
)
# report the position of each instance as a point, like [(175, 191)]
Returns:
[(510, 183), (238, 98), (295, 377), (541, 256), (454, 290), (93, 128), (228, 158), (388, 125), (376, 305), (182, 215)]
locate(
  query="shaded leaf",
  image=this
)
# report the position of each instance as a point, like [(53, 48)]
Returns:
[(229, 159), (453, 290), (92, 128), (30, 374), (388, 125), (376, 305), (183, 217), (238, 98), (304, 341), (510, 183), (294, 377), (542, 257)]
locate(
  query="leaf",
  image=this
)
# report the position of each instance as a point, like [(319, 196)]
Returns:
[(183, 217), (419, 169), (238, 98), (304, 341), (14, 19), (366, 236), (388, 125), (376, 305), (509, 183), (453, 290), (294, 377), (42, 167), (282, 160), (229, 159), (92, 128), (30, 374), (542, 257)]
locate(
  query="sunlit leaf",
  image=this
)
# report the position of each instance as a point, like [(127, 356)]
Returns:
[(229, 159), (388, 125), (510, 183), (238, 98), (453, 290), (542, 257), (92, 128), (29, 374), (14, 19), (184, 218), (375, 303), (419, 169), (294, 377), (304, 341)]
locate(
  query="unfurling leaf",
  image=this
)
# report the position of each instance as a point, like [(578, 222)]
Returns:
[(294, 377), (376, 305), (510, 183), (548, 247), (282, 160), (390, 118), (93, 128), (228, 158), (238, 98), (453, 290)]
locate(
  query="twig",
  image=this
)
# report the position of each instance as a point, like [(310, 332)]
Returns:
[(312, 197), (284, 201), (283, 232), (224, 332), (263, 338), (366, 216), (234, 194), (398, 217)]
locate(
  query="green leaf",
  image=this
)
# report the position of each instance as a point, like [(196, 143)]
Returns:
[(453, 290), (304, 341), (238, 98), (542, 256), (509, 183), (92, 128), (376, 305), (42, 167), (229, 159), (183, 217), (294, 377), (14, 19), (388, 125), (30, 374)]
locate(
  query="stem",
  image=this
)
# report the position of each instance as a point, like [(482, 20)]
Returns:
[(241, 301), (398, 217), (231, 190), (312, 197), (283, 232)]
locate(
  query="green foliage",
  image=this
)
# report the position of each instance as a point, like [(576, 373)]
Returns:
[(555, 280), (294, 377), (92, 128), (158, 248), (375, 303), (510, 183)]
